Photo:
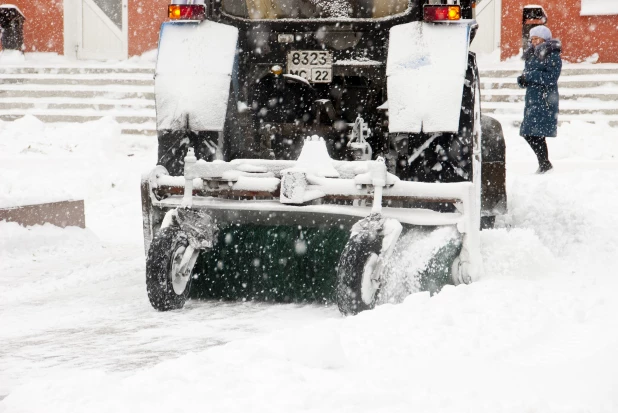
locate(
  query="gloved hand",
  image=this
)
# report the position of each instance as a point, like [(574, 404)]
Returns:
[(521, 81)]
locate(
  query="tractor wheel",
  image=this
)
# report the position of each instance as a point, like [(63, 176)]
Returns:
[(356, 291), (168, 287)]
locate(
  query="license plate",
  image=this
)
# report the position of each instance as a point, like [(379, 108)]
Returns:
[(314, 65)]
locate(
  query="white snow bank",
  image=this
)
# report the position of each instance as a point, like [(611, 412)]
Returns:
[(41, 241), (11, 57), (489, 347), (411, 256), (49, 59), (42, 163), (32, 152), (16, 238), (148, 58)]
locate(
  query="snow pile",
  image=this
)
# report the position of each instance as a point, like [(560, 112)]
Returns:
[(314, 158), (32, 152), (48, 59), (11, 57), (42, 163), (149, 57), (45, 244), (412, 257)]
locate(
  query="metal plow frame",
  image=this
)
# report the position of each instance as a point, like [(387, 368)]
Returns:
[(352, 189)]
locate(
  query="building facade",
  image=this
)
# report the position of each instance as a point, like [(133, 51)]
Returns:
[(117, 29), (586, 28), (92, 29)]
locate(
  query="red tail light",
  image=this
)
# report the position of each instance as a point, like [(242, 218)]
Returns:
[(186, 11), (441, 13)]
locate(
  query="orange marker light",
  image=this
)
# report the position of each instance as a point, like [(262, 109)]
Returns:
[(437, 13), (454, 13), (173, 11), (186, 11)]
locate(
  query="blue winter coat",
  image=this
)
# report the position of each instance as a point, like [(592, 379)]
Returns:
[(540, 78)]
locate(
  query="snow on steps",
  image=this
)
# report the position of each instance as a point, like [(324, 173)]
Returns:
[(81, 94), (588, 94)]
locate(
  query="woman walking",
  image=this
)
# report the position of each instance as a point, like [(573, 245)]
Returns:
[(540, 78)]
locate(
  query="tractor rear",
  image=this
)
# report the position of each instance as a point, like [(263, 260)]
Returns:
[(309, 148)]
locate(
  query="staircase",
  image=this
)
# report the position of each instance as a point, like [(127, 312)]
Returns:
[(586, 94), (86, 93), (80, 94)]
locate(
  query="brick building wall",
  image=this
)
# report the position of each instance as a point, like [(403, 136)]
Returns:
[(44, 26), (581, 36), (145, 18), (43, 29)]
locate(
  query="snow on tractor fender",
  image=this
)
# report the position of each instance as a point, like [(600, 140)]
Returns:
[(426, 71), (193, 72)]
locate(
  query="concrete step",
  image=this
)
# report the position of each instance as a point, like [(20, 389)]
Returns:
[(110, 87), (83, 94), (143, 131), (127, 79), (589, 80), (75, 81), (516, 119), (128, 126), (485, 97), (16, 93), (54, 118), (566, 71), (494, 84), (580, 103), (520, 110), (80, 94), (118, 105), (75, 70)]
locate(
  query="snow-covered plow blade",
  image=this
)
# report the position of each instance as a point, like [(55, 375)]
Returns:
[(314, 229)]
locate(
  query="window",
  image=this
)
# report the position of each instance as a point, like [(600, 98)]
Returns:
[(314, 9), (599, 7)]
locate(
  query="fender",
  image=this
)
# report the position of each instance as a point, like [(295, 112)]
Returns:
[(426, 70), (193, 75)]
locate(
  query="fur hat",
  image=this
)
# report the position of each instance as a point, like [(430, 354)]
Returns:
[(541, 31)]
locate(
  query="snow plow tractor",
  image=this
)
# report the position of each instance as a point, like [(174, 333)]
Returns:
[(328, 151)]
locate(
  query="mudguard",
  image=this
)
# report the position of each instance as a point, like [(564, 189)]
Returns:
[(426, 69), (193, 73)]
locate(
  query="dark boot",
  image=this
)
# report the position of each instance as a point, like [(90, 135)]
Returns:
[(539, 146), (544, 167)]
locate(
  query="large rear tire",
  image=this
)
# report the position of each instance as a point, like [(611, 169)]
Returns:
[(356, 291), (167, 287)]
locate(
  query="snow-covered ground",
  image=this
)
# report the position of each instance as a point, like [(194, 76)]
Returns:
[(77, 334)]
